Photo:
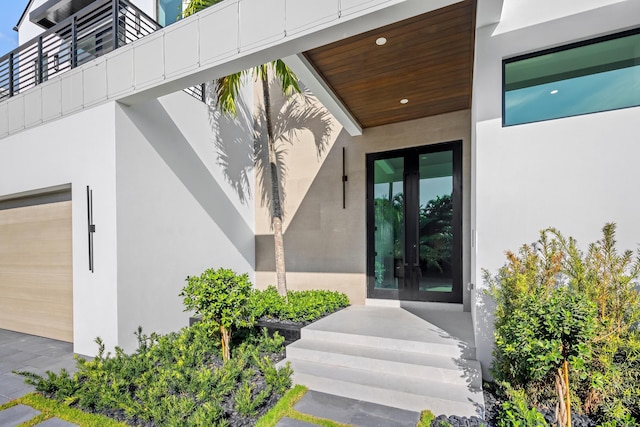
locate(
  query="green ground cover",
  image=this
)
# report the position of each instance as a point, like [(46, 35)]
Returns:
[(218, 372)]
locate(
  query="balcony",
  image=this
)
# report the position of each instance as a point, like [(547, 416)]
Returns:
[(96, 30)]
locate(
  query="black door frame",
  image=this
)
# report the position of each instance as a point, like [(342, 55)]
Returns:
[(408, 292)]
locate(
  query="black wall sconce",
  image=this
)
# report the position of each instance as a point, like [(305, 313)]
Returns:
[(344, 179), (91, 226)]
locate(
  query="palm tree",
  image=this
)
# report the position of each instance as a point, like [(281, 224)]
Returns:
[(227, 91)]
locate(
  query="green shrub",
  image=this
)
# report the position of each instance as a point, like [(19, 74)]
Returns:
[(625, 420), (248, 399), (60, 386), (312, 305), (265, 343), (267, 303), (515, 412), (221, 297), (299, 306), (616, 378), (556, 304), (174, 379), (542, 334), (426, 418), (544, 337)]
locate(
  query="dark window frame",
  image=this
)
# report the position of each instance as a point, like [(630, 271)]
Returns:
[(557, 49)]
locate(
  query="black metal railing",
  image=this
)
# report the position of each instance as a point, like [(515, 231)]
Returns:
[(94, 31), (198, 92)]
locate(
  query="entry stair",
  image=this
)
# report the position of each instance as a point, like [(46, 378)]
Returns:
[(389, 356)]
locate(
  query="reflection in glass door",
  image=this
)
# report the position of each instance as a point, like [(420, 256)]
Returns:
[(388, 190), (435, 222), (414, 222)]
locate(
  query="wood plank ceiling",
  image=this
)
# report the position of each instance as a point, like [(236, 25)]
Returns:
[(427, 60)]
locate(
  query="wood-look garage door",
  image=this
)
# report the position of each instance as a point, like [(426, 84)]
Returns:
[(36, 267)]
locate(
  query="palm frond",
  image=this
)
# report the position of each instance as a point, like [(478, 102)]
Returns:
[(227, 91), (196, 6), (287, 77), (303, 113), (260, 72)]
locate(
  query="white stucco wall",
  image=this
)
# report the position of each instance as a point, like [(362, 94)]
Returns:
[(574, 173), (79, 150), (178, 213), (163, 206), (27, 29), (517, 14), (147, 6)]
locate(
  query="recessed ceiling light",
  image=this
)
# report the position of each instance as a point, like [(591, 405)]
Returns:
[(404, 101), (380, 41), (553, 92)]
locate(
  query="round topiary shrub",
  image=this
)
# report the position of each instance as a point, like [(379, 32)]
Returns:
[(221, 297)]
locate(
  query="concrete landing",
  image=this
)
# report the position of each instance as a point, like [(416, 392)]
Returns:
[(389, 356), (391, 327), (456, 323)]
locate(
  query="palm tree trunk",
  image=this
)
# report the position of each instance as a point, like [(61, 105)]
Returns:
[(276, 207)]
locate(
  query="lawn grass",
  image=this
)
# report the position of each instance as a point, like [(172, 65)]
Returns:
[(8, 405), (50, 408), (284, 408)]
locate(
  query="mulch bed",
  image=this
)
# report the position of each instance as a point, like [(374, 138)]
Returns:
[(492, 405)]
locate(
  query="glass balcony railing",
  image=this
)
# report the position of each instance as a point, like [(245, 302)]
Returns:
[(99, 28)]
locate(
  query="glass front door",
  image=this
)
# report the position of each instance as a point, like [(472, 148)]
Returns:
[(414, 224)]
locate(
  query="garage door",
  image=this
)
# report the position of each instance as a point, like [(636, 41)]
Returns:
[(36, 266)]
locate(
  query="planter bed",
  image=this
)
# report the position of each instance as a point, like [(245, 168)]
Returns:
[(287, 329)]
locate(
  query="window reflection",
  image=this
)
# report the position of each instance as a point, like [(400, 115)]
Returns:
[(601, 76)]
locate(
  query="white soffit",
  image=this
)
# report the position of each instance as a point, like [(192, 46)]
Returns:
[(312, 79)]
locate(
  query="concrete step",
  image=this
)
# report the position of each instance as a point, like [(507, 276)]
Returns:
[(391, 328), (413, 394), (428, 366), (389, 356), (449, 348)]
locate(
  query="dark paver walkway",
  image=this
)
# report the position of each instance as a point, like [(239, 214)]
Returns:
[(350, 411), (56, 422), (290, 422), (22, 352), (17, 415)]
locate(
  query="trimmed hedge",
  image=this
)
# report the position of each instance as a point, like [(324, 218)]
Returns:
[(299, 306)]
